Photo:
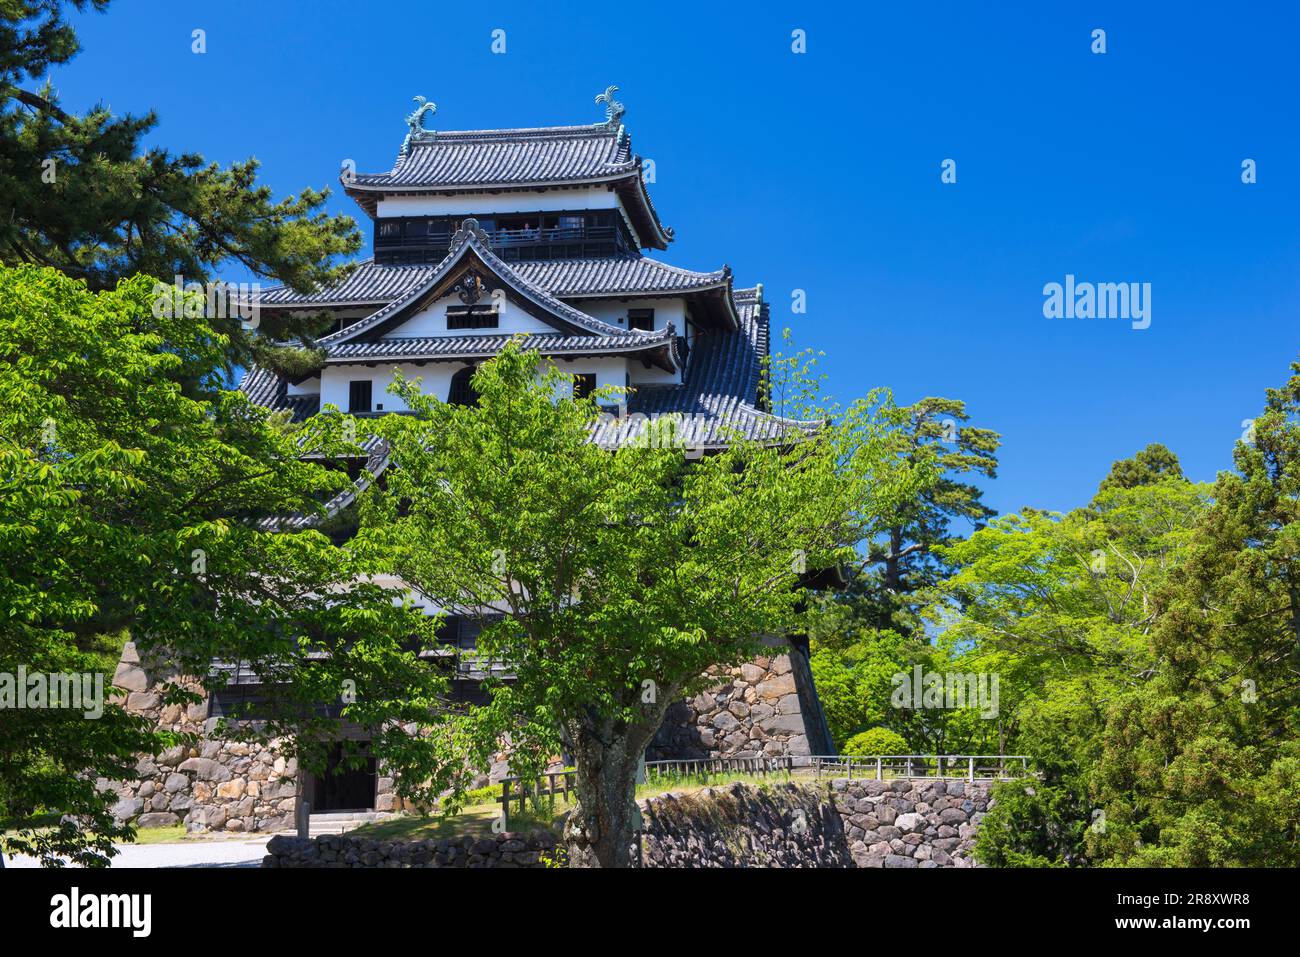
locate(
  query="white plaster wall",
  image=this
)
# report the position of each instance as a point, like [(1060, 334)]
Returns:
[(609, 370), (614, 310), (306, 387), (433, 321), (436, 376)]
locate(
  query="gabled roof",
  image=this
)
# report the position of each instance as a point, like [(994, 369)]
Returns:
[(635, 276), (469, 249), (505, 160), (631, 277), (369, 284)]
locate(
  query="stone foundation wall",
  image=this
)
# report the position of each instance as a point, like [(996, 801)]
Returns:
[(499, 850), (767, 707), (915, 823), (741, 826), (214, 785), (911, 822)]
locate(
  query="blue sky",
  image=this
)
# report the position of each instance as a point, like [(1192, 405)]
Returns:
[(821, 171)]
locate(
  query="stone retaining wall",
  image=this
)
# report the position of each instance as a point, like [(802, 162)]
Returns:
[(766, 707), (842, 823), (911, 822), (784, 825), (732, 826), (499, 850), (213, 785)]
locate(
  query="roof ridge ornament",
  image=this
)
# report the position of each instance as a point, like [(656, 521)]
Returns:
[(416, 131), (614, 110)]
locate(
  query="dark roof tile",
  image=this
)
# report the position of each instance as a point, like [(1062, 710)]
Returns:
[(374, 283)]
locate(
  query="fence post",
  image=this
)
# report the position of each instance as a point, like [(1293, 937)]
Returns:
[(880, 775), (304, 819), (505, 804), (972, 769)]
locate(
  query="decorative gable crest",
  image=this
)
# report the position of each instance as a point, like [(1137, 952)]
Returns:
[(470, 288)]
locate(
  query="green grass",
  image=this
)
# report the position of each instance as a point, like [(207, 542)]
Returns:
[(473, 821), (483, 807), (35, 822), (662, 784), (148, 835), (160, 835)]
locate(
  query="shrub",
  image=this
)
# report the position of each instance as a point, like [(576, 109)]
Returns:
[(875, 741)]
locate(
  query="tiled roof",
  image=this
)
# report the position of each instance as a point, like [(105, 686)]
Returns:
[(368, 284), (720, 398), (469, 160), (374, 283), (465, 158), (719, 401), (375, 450), (479, 346), (619, 274), (263, 387)]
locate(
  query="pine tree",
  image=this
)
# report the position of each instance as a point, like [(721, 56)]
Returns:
[(79, 193)]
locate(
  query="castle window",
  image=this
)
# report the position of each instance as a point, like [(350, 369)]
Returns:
[(584, 384), (462, 390), (472, 317), (641, 319), (359, 391)]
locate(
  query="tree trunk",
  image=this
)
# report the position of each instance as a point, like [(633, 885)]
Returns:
[(606, 755), (600, 831), (893, 562)]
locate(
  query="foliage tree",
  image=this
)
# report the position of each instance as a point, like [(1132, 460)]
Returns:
[(79, 193), (857, 680), (1201, 765), (128, 504), (870, 630), (620, 575), (1062, 608)]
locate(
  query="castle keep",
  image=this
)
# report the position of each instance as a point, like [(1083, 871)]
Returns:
[(479, 236)]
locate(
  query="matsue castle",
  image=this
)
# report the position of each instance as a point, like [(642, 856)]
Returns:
[(479, 236)]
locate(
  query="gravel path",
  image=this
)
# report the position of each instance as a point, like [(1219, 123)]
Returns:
[(247, 852)]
